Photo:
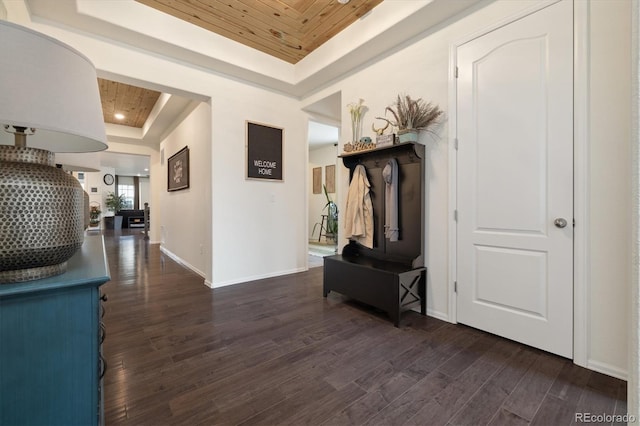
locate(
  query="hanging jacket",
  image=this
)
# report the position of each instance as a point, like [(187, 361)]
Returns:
[(358, 224)]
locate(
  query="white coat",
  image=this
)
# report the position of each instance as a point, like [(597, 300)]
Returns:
[(358, 223)]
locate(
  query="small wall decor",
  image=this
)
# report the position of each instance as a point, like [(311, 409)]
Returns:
[(264, 152), (317, 180), (385, 140), (178, 170), (360, 146), (94, 189), (330, 178), (108, 179)]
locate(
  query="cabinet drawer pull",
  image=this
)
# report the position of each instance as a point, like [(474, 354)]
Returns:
[(103, 367)]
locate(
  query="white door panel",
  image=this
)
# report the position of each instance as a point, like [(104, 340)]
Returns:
[(523, 292), (515, 177)]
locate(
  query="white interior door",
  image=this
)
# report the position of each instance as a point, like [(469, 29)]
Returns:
[(515, 180)]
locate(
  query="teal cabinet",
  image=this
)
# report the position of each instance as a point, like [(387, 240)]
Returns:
[(50, 344)]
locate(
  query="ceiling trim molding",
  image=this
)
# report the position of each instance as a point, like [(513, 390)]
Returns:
[(373, 36)]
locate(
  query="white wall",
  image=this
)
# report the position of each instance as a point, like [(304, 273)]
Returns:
[(610, 180), (633, 385), (144, 195), (184, 215), (422, 69), (259, 227), (320, 157)]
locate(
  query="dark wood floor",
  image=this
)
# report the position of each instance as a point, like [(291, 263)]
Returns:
[(275, 352)]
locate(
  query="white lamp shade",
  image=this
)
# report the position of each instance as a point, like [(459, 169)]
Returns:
[(79, 162), (51, 87)]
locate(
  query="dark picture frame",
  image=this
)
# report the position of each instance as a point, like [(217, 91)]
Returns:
[(178, 170), (264, 149)]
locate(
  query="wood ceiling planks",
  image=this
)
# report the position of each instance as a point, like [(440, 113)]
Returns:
[(286, 29), (134, 102)]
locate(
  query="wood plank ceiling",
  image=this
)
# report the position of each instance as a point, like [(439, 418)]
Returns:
[(286, 29), (135, 103)]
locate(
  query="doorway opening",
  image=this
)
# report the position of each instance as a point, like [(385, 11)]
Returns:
[(323, 206)]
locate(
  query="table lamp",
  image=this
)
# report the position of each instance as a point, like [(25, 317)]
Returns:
[(88, 162), (49, 102)]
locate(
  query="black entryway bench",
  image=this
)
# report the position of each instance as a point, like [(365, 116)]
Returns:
[(391, 276)]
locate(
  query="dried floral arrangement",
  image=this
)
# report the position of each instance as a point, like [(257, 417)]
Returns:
[(411, 113)]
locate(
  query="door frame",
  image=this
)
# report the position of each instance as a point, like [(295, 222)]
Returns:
[(581, 158)]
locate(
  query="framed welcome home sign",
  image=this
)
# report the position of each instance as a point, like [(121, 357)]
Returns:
[(264, 152)]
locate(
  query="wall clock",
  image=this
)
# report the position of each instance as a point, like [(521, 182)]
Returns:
[(108, 179)]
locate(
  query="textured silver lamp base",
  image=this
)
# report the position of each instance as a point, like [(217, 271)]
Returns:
[(41, 215), (31, 274)]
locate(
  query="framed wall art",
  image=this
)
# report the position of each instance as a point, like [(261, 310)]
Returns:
[(330, 178), (178, 170), (264, 152), (317, 180)]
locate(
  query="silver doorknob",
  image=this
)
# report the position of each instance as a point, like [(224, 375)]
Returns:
[(560, 222)]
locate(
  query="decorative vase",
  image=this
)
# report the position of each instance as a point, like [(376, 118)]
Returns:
[(407, 135), (41, 215), (355, 129)]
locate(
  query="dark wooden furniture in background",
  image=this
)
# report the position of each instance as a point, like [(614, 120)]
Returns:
[(50, 354), (391, 276), (132, 218), (135, 222)]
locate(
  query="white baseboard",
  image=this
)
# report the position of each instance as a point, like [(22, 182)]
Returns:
[(255, 277), (438, 315), (609, 370), (434, 314), (182, 262)]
